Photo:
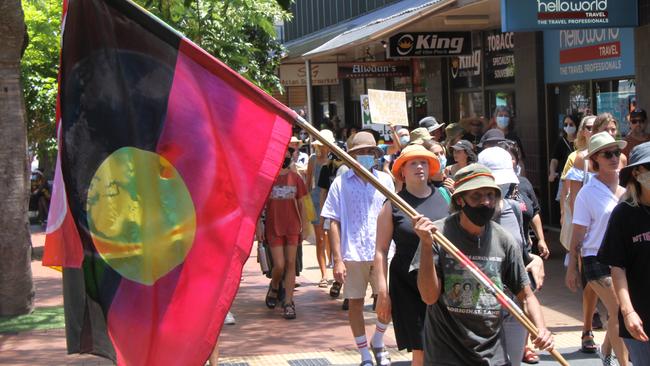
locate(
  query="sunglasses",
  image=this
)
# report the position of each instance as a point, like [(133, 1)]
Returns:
[(589, 128), (636, 120), (610, 153)]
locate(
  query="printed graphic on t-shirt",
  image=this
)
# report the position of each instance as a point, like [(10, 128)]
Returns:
[(283, 192), (644, 237), (463, 293)]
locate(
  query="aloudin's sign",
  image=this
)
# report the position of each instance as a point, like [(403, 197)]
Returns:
[(430, 44)]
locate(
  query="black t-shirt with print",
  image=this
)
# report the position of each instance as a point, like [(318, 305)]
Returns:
[(626, 244)]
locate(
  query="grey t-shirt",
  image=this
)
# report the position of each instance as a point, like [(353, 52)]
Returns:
[(464, 326)]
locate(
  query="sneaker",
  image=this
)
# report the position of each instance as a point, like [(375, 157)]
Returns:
[(382, 357), (608, 360), (230, 319)]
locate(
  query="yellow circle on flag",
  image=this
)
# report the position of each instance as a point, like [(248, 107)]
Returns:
[(140, 214)]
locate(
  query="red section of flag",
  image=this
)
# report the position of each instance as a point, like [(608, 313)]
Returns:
[(227, 140), (63, 246), (595, 52)]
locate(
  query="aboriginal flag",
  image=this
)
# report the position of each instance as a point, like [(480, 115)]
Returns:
[(166, 157)]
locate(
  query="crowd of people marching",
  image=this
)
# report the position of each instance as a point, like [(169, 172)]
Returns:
[(466, 180)]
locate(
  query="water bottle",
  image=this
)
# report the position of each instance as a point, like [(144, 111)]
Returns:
[(263, 258)]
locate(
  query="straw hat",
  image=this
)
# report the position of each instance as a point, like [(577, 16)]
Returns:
[(327, 135), (419, 135), (640, 155), (295, 140), (415, 151), (474, 176), (603, 140), (499, 161), (362, 140)]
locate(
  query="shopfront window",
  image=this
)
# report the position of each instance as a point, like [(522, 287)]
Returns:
[(469, 104), (617, 97)]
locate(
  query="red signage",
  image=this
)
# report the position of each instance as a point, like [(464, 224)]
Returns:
[(593, 52)]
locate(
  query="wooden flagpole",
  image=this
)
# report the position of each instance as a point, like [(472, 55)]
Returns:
[(447, 245)]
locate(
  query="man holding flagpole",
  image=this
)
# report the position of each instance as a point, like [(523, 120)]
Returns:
[(470, 332)]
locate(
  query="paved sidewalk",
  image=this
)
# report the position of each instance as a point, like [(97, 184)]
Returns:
[(319, 336)]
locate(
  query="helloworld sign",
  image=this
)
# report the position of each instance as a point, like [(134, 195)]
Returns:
[(534, 15)]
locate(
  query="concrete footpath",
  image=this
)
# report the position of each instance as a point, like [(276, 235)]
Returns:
[(319, 336)]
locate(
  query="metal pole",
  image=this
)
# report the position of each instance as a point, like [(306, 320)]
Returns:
[(448, 246)]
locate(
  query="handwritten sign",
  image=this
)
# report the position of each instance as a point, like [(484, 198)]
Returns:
[(388, 107)]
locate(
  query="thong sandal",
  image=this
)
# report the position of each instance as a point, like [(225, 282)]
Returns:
[(588, 344), (323, 283), (530, 356), (289, 311), (335, 291), (271, 297)]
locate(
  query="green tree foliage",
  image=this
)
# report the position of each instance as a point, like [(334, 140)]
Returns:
[(241, 33), (39, 69)]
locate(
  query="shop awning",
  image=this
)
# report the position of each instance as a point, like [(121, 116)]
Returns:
[(376, 25)]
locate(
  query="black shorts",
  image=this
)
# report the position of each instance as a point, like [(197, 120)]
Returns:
[(594, 270)]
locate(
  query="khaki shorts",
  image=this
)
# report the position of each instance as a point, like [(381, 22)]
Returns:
[(358, 275)]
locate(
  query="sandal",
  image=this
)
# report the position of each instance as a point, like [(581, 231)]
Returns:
[(271, 297), (588, 344), (289, 311), (335, 291), (530, 356), (323, 283), (382, 357)]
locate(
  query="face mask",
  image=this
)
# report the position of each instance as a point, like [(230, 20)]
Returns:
[(404, 140), (644, 180), (570, 130), (443, 162), (502, 121), (480, 215), (286, 163), (517, 170), (367, 161)]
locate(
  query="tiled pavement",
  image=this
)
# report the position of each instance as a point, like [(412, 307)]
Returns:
[(319, 336)]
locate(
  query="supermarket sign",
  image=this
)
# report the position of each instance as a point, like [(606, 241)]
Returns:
[(582, 54), (534, 15)]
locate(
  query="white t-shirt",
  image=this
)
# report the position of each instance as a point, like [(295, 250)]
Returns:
[(356, 205), (592, 208)]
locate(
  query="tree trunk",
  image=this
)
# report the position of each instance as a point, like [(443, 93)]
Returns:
[(16, 286)]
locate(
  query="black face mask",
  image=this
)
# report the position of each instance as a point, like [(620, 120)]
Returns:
[(479, 215), (286, 163)]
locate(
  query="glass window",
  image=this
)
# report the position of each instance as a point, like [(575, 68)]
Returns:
[(468, 104), (617, 97)]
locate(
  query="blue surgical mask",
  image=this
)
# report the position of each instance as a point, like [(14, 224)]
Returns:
[(502, 121), (517, 170), (443, 162), (367, 161), (404, 140)]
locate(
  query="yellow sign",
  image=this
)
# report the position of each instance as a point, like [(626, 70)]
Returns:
[(388, 107)]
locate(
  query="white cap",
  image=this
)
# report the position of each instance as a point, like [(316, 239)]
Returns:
[(499, 161)]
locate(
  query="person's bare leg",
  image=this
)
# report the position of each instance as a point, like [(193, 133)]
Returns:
[(277, 252), (214, 356), (328, 248), (290, 271), (418, 358), (320, 251), (605, 290), (355, 317), (589, 301)]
